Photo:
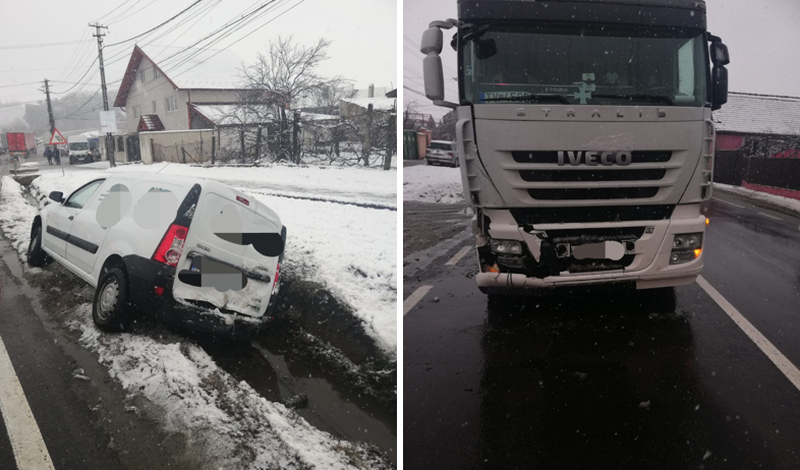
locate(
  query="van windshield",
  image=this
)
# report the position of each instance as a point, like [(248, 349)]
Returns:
[(79, 146)]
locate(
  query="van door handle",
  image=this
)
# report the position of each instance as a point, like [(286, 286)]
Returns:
[(71, 217)]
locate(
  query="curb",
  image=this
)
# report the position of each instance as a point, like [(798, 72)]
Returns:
[(757, 201)]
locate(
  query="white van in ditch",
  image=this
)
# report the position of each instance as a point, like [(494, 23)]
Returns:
[(194, 247)]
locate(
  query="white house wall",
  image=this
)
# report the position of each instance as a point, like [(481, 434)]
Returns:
[(213, 96), (158, 90)]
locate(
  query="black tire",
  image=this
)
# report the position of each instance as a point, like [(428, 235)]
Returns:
[(110, 309), (427, 162), (36, 255)]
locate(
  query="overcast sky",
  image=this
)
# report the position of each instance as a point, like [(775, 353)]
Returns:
[(763, 38), (364, 35)]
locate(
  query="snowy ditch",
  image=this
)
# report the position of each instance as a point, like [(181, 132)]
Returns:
[(230, 406)]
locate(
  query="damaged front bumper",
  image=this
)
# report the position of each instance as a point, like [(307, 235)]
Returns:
[(645, 264)]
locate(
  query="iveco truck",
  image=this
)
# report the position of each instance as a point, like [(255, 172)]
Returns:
[(585, 137)]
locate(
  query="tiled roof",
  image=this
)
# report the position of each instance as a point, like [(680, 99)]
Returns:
[(748, 113), (149, 122)]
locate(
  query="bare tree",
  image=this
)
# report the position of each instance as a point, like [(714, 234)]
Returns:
[(282, 77), (411, 116)]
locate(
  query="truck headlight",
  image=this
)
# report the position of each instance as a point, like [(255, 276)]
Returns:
[(686, 247), (507, 247)]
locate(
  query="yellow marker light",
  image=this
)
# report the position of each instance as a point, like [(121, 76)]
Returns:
[(707, 221), (697, 252)]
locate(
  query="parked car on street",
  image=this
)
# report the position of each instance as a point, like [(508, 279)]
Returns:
[(442, 152), (164, 244)]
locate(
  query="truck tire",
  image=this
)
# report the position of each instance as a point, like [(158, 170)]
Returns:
[(110, 309), (37, 257)]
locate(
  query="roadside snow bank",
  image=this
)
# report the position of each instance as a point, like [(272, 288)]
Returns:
[(233, 425), (16, 216), (424, 183), (352, 184), (780, 201)]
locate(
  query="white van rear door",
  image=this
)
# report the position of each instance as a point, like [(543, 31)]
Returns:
[(220, 263)]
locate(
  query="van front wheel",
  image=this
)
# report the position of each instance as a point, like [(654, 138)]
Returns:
[(110, 310)]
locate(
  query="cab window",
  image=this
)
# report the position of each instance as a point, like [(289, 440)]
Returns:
[(78, 199)]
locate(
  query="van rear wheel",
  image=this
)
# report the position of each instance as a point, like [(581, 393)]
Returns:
[(110, 310)]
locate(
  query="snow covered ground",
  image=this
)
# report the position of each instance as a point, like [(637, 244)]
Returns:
[(780, 201), (424, 183)]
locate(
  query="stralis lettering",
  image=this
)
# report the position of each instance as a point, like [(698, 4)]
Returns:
[(594, 158)]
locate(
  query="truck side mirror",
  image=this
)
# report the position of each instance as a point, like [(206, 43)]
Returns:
[(431, 46), (719, 84), (719, 54), (57, 196)]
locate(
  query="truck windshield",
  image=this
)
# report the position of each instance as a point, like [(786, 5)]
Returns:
[(598, 66), (79, 146)]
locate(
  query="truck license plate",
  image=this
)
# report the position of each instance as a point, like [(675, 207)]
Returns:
[(604, 250)]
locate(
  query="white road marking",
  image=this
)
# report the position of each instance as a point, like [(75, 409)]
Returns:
[(455, 259), (789, 370), (412, 299), (770, 216), (23, 432), (729, 203)]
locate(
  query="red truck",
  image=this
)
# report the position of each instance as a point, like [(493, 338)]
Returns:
[(21, 143)]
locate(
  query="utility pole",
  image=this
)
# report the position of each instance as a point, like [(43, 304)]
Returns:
[(99, 35), (52, 119), (49, 106)]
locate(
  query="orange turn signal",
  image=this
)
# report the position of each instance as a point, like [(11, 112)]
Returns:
[(697, 252), (707, 221)]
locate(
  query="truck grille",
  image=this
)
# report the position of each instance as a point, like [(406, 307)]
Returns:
[(566, 215), (596, 182)]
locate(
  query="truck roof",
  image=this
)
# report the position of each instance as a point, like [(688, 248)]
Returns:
[(680, 13)]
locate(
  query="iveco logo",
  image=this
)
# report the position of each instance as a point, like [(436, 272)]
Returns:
[(594, 158)]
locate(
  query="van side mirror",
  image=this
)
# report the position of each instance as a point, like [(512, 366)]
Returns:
[(431, 46), (57, 196), (719, 87)]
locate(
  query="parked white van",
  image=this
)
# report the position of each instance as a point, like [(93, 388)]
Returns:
[(166, 244), (79, 150)]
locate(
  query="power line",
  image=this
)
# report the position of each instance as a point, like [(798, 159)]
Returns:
[(79, 80), (47, 44), (19, 84), (115, 9), (246, 35), (124, 12), (156, 27)]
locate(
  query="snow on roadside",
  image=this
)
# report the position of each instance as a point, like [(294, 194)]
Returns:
[(352, 184), (353, 250), (229, 421), (780, 201), (16, 216), (424, 183)]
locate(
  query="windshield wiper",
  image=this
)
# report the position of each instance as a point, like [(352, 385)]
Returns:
[(531, 98), (639, 96)]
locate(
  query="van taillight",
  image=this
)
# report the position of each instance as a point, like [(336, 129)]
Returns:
[(277, 275), (169, 250)]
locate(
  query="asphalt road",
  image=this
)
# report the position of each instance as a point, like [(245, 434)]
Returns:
[(625, 380)]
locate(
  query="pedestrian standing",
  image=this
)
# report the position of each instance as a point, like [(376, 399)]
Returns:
[(49, 154), (57, 155)]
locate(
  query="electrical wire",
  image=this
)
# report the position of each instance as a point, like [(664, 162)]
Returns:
[(79, 80), (132, 14), (156, 27), (112, 11), (47, 44), (19, 84), (243, 37)]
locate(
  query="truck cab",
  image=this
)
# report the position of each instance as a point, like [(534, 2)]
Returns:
[(585, 136)]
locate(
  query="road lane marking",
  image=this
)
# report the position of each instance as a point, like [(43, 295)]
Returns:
[(26, 439), (729, 203), (786, 367), (455, 259), (770, 216), (412, 299)]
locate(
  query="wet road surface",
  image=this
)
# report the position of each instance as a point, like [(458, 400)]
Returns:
[(617, 380)]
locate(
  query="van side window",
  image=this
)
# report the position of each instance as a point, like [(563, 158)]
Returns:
[(78, 199)]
